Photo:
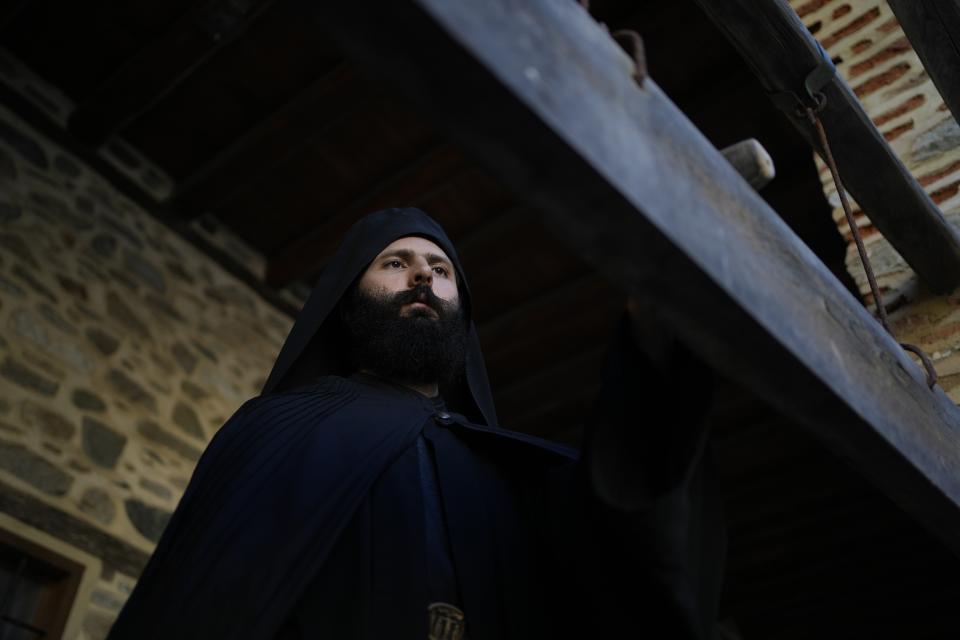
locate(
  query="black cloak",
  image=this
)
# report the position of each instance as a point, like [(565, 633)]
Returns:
[(537, 553)]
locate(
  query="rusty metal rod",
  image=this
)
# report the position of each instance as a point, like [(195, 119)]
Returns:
[(811, 114)]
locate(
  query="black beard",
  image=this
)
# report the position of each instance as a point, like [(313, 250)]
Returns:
[(416, 348)]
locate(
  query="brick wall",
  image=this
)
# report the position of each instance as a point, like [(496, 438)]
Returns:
[(875, 58)]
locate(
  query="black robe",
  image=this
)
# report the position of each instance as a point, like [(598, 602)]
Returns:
[(279, 530)]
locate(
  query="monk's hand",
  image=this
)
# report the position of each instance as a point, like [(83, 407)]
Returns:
[(651, 333)]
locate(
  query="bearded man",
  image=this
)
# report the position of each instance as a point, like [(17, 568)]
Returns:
[(369, 492)]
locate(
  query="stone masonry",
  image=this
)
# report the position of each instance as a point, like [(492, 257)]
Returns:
[(874, 57), (122, 350)]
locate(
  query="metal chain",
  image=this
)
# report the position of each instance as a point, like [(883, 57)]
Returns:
[(814, 120)]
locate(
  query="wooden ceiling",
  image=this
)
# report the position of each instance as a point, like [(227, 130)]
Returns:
[(263, 125)]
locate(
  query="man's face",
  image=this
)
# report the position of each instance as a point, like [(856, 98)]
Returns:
[(409, 263), (404, 317)]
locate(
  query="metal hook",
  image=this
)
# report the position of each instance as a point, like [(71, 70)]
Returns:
[(925, 359), (813, 85), (631, 42), (820, 77)]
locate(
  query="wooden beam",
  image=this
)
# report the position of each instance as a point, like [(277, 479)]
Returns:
[(504, 280), (401, 188), (542, 96), (933, 28), (573, 317), (115, 552), (171, 219), (273, 142), (162, 65), (9, 10), (570, 383), (751, 161), (494, 228), (780, 50)]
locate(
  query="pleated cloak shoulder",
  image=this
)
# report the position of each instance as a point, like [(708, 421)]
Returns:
[(265, 504)]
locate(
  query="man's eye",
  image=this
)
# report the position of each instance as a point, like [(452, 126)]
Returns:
[(396, 264), (441, 270)]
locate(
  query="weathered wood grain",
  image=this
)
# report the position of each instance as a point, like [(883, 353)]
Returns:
[(933, 28), (780, 50), (542, 96)]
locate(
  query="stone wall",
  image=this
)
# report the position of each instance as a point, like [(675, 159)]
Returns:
[(122, 350), (875, 58)]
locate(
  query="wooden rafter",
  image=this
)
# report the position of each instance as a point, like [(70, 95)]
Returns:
[(782, 53), (933, 28), (162, 65), (559, 314), (307, 254), (271, 143), (9, 9), (542, 96)]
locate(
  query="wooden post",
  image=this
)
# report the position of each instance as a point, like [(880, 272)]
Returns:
[(542, 96), (933, 28), (751, 161), (780, 50)]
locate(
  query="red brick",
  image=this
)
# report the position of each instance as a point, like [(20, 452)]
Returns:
[(889, 26), (839, 12), (810, 7), (857, 24), (901, 109), (898, 131), (933, 176), (945, 193), (881, 80), (897, 48)]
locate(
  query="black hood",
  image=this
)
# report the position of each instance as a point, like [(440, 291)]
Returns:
[(314, 346)]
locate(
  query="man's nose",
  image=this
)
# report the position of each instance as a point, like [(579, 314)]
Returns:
[(422, 274)]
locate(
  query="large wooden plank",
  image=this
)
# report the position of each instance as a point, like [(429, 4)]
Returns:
[(542, 96), (161, 65), (780, 50), (933, 28)]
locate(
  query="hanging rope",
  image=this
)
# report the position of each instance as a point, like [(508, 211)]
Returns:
[(814, 119)]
